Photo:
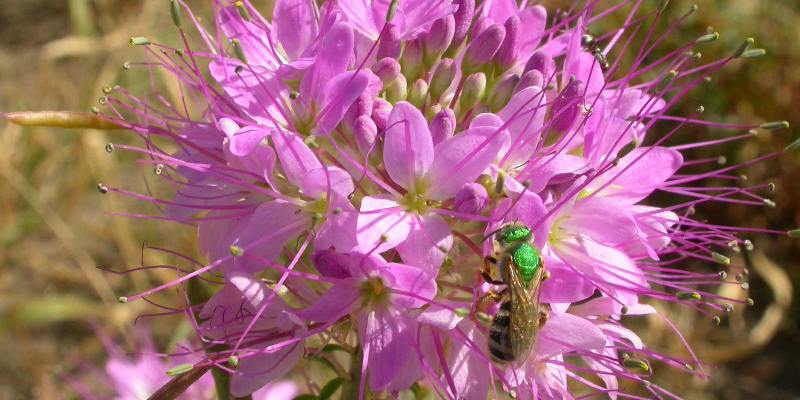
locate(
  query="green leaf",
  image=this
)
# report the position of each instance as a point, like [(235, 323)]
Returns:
[(305, 397)]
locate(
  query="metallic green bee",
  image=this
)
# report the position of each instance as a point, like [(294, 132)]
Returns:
[(516, 324)]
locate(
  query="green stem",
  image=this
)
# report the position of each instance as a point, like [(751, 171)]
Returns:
[(350, 388)]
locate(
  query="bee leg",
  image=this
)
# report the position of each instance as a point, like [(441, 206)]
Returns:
[(486, 274), (543, 316)]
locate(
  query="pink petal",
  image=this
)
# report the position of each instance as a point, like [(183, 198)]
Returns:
[(564, 285), (281, 390), (295, 24), (381, 217), (604, 220), (524, 116), (252, 38), (440, 317), (648, 173), (565, 332), (295, 156), (408, 146), (334, 304), (339, 94), (318, 180), (467, 369), (534, 20), (247, 139), (285, 221), (339, 230), (359, 14), (548, 168), (389, 344), (462, 158), (427, 244), (256, 371), (333, 58), (500, 10), (412, 280), (255, 91)]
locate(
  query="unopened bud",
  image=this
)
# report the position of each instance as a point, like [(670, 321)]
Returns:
[(438, 40), (386, 69), (362, 106), (365, 132), (411, 61), (442, 78), (471, 198), (443, 125), (540, 62), (480, 26), (483, 48), (473, 91), (396, 90), (331, 264), (509, 49), (565, 106), (502, 93), (389, 44), (463, 19), (418, 93), (380, 113), (530, 78)]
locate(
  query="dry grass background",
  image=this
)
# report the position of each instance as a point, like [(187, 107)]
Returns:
[(54, 230)]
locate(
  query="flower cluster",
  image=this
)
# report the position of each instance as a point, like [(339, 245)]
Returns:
[(347, 166)]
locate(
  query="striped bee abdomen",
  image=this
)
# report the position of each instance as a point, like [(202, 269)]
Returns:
[(499, 338)]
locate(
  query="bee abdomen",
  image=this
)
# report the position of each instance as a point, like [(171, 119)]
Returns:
[(500, 345)]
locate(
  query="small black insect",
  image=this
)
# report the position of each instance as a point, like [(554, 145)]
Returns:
[(589, 43)]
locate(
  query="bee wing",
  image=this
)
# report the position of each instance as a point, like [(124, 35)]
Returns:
[(524, 316)]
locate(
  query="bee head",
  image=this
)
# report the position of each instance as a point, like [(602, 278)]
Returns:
[(514, 234)]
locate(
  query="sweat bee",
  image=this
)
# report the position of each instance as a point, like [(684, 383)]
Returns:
[(517, 322)]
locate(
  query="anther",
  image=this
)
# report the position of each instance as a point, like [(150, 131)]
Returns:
[(243, 12), (180, 369), (721, 259), (748, 245), (753, 53), (107, 89), (722, 275), (102, 188), (774, 125), (743, 178), (749, 301), (139, 41), (384, 238), (708, 37), (739, 277), (392, 10), (337, 211), (158, 169), (700, 109), (126, 65), (794, 233), (624, 310), (233, 361), (771, 187), (769, 203), (743, 47), (722, 160), (236, 251), (667, 79), (716, 321), (103, 100), (500, 185), (688, 296), (462, 312), (636, 365), (175, 12), (95, 110), (238, 70), (122, 299), (179, 52), (109, 147), (745, 286), (728, 308), (238, 51), (293, 95), (793, 146)]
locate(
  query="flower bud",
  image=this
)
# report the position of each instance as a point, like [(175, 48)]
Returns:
[(530, 78), (471, 198), (473, 90), (463, 19), (439, 38), (442, 126), (380, 113), (499, 97), (509, 50), (483, 48), (362, 106), (543, 63), (365, 131), (396, 90), (442, 77), (331, 264), (386, 69), (389, 45), (418, 93), (565, 106), (481, 24), (411, 61)]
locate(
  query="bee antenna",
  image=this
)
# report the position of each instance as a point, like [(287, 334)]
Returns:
[(490, 234)]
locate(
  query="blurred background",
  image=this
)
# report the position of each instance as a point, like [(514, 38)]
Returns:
[(55, 229)]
